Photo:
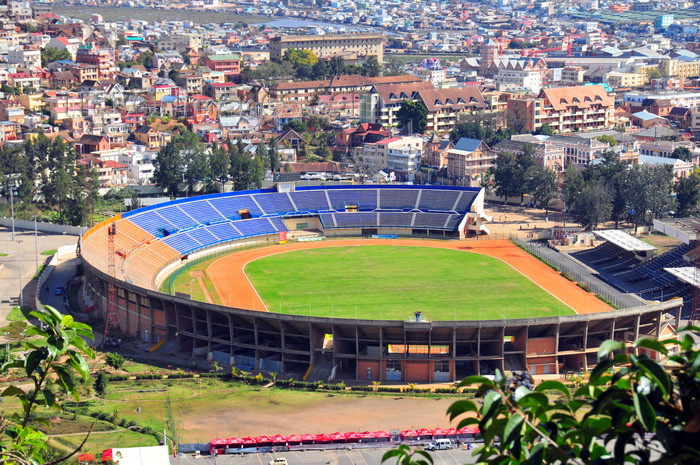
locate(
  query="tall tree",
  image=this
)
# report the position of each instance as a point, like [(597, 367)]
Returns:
[(274, 159), (593, 205), (371, 67), (218, 163), (415, 112), (504, 175), (169, 168), (573, 185), (688, 196), (525, 164), (543, 188)]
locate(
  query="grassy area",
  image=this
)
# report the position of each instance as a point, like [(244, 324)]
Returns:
[(97, 442), (187, 284), (48, 252), (392, 282)]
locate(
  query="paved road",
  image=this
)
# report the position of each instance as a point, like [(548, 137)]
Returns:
[(30, 251), (322, 457)]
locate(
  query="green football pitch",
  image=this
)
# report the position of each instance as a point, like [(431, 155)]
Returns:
[(394, 282)]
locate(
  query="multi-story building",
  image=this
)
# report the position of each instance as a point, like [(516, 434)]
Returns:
[(468, 161), (228, 64), (307, 91), (25, 57), (573, 74), (190, 82), (578, 150), (181, 42), (381, 103), (405, 158), (564, 109), (444, 106), (674, 68), (220, 90), (679, 98), (24, 81), (101, 59), (616, 79), (360, 45), (529, 80), (11, 110), (548, 154)]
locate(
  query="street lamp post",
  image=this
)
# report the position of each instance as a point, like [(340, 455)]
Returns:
[(12, 211), (19, 247), (36, 245)]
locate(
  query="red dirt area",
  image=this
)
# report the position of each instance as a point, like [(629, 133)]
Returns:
[(235, 290)]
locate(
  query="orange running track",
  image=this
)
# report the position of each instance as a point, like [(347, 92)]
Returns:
[(235, 289)]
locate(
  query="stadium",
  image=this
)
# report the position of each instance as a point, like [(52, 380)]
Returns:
[(128, 260)]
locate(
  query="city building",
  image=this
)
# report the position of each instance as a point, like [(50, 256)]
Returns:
[(350, 46)]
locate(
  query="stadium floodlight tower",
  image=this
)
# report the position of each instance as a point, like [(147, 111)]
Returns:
[(112, 317)]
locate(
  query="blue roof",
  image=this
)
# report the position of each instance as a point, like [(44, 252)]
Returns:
[(169, 99), (467, 145)]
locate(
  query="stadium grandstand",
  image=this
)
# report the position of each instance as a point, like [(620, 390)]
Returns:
[(630, 265), (128, 256)]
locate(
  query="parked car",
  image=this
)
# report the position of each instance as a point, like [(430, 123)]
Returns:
[(60, 290), (278, 461), (440, 444)]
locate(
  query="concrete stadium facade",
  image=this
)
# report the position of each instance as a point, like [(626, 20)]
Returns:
[(340, 348)]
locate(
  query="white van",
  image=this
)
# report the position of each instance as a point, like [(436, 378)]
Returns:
[(440, 444)]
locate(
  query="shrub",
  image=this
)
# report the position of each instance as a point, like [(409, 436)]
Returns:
[(114, 360)]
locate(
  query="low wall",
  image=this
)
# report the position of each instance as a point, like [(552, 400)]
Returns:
[(45, 227)]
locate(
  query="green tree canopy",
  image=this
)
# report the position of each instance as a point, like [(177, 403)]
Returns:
[(415, 112), (593, 205), (682, 153), (504, 175), (371, 67), (51, 54), (688, 196)]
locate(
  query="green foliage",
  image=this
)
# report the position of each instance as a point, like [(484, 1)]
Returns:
[(593, 205), (101, 383), (688, 195), (55, 357), (682, 153), (610, 140), (115, 360), (633, 410), (294, 125), (545, 129), (476, 130), (50, 54), (371, 67), (413, 111)]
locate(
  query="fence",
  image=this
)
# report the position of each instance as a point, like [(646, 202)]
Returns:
[(571, 271)]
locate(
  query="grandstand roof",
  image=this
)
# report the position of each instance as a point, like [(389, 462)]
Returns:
[(683, 229), (687, 274), (624, 240)]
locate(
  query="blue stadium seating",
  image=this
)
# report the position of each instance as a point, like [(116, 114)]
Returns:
[(398, 199), (432, 199), (311, 201), (365, 199), (230, 205), (202, 211), (274, 203)]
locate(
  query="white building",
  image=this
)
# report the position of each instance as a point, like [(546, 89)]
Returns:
[(510, 79), (29, 58), (401, 154)]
